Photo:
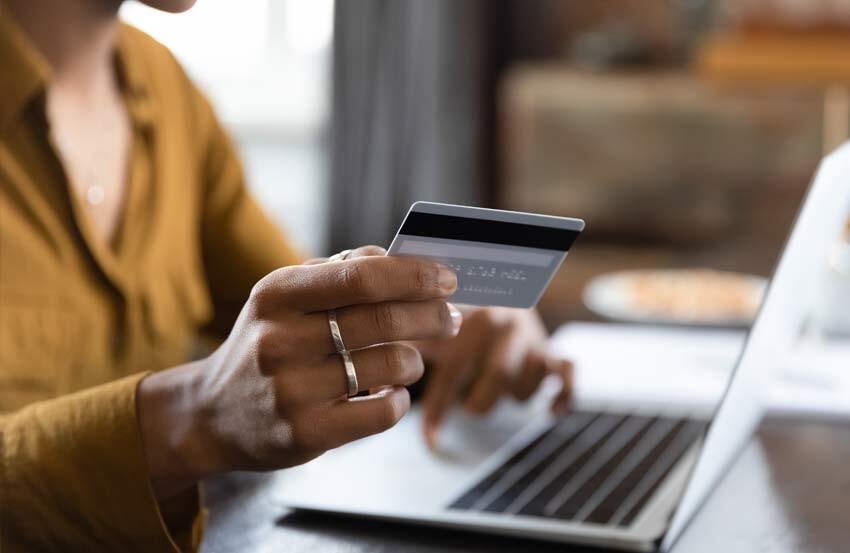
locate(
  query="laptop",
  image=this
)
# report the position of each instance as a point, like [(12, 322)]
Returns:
[(624, 477)]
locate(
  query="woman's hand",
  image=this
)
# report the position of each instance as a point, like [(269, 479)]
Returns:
[(275, 393), (499, 351)]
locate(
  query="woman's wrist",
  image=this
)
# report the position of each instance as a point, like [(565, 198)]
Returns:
[(173, 433)]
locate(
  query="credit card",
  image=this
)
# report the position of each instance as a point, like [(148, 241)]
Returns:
[(504, 258)]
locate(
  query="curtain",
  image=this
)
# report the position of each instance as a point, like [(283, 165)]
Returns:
[(408, 112)]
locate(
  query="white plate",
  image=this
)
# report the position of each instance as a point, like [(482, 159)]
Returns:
[(677, 296)]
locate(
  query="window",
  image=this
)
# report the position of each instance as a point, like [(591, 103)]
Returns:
[(265, 66)]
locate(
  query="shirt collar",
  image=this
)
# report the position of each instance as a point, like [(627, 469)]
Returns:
[(24, 69), (26, 73), (136, 76)]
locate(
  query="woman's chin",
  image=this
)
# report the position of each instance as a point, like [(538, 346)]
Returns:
[(172, 6)]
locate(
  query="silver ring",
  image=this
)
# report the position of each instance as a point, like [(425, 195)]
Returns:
[(341, 256), (335, 333), (350, 370), (350, 374)]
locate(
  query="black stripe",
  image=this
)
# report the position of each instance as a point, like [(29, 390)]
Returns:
[(432, 225)]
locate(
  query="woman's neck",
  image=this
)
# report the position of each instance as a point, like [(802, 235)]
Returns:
[(77, 38)]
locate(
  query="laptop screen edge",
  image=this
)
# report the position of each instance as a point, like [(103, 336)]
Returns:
[(779, 320)]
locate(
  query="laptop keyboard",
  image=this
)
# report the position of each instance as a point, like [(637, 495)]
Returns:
[(588, 467)]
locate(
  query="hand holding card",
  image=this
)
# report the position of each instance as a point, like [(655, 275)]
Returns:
[(502, 258)]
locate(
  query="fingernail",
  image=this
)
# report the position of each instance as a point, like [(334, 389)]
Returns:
[(457, 318), (447, 279)]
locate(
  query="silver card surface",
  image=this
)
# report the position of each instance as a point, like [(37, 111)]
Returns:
[(503, 258)]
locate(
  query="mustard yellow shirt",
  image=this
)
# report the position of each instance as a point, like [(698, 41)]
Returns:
[(82, 322)]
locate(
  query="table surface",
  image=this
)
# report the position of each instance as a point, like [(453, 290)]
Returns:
[(789, 491)]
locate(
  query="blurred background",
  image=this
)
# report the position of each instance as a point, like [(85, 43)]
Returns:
[(684, 131)]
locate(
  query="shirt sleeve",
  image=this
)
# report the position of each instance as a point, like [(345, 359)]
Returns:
[(73, 477), (241, 244)]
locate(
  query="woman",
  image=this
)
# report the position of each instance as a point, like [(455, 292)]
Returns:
[(126, 230)]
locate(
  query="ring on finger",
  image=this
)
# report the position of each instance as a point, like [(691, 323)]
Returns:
[(350, 374), (348, 363), (341, 256), (336, 334)]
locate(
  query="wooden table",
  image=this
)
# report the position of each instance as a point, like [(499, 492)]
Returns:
[(789, 491)]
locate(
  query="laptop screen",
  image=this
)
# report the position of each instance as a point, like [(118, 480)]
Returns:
[(783, 313)]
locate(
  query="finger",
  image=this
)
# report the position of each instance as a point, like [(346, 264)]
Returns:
[(377, 366), (370, 279), (316, 261), (365, 325), (564, 369), (349, 420), (529, 378), (498, 370), (448, 377)]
